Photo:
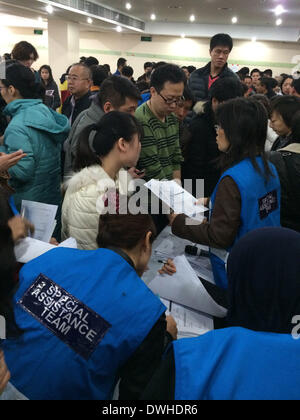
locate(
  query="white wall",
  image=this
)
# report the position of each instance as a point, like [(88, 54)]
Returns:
[(10, 36), (107, 47)]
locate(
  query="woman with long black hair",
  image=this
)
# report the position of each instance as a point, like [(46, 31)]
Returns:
[(247, 195), (52, 98)]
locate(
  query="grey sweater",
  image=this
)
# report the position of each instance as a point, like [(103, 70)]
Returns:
[(90, 116)]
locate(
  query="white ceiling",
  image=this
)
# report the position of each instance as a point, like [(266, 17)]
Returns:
[(251, 13)]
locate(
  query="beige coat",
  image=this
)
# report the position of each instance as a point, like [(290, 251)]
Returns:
[(84, 203)]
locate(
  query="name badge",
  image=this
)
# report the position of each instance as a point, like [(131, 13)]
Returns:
[(268, 204), (69, 319)]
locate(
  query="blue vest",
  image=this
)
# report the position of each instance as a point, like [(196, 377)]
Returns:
[(237, 364), (260, 207), (82, 321)]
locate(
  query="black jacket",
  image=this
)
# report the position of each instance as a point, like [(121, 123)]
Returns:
[(80, 105), (281, 142), (198, 82), (287, 163), (202, 152), (52, 98)]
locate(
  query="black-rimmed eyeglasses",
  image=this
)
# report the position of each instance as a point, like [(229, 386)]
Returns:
[(172, 101)]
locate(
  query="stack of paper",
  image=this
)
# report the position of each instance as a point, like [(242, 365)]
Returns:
[(177, 198), (185, 288), (190, 323)]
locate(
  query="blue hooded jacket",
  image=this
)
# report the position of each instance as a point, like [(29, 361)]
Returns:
[(40, 133)]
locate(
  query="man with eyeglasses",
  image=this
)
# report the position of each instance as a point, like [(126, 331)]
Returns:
[(161, 154), (202, 79), (79, 84)]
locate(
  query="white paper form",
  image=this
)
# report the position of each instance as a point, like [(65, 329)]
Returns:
[(177, 198), (42, 216), (29, 248), (190, 323), (185, 288)]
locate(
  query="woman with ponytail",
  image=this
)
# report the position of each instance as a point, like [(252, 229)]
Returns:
[(39, 132), (103, 151)]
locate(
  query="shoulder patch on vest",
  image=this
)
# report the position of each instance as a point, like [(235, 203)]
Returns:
[(70, 320), (268, 204)]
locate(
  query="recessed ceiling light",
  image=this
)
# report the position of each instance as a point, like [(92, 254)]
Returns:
[(89, 20), (192, 18), (128, 6), (119, 28), (49, 9), (279, 10), (153, 16), (234, 19), (278, 22)]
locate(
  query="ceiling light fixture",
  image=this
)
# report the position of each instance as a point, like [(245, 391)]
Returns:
[(182, 35), (128, 6), (119, 28), (234, 19), (192, 18), (40, 19), (89, 20), (49, 9), (153, 16), (279, 10), (254, 39), (278, 22)]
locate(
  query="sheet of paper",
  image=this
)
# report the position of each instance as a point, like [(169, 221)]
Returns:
[(172, 246), (29, 248), (42, 216), (69, 243), (177, 198), (190, 323), (185, 288), (202, 266)]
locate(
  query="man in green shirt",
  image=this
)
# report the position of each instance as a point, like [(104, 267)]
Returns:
[(161, 155)]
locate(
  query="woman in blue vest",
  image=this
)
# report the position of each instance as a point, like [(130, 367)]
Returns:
[(88, 319), (258, 356), (247, 196)]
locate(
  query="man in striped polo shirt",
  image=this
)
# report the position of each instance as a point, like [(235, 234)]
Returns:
[(161, 155)]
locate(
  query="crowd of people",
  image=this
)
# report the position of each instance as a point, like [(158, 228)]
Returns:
[(234, 138)]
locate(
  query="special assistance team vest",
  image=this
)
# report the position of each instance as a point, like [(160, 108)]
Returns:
[(237, 364), (260, 207), (83, 317)]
